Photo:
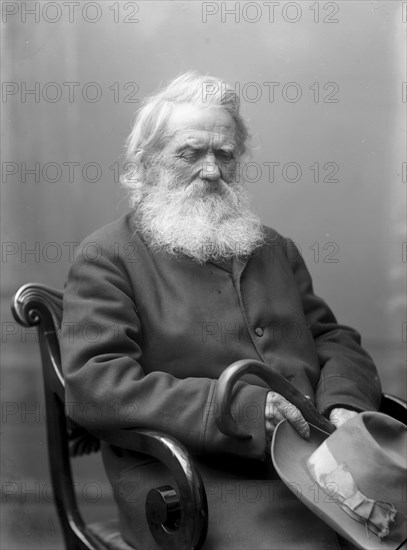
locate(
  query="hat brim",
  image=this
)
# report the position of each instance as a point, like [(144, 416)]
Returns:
[(290, 453)]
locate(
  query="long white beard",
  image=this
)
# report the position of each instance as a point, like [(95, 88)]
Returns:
[(202, 220)]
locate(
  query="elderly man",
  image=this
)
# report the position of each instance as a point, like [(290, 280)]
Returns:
[(182, 286)]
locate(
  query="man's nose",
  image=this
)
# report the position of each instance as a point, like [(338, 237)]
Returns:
[(210, 170)]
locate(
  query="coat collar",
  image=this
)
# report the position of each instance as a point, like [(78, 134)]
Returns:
[(239, 265)]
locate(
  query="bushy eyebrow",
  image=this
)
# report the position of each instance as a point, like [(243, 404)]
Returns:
[(197, 145), (189, 144), (229, 147)]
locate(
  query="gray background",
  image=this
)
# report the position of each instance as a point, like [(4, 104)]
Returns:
[(351, 231)]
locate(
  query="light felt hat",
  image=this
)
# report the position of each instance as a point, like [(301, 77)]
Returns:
[(354, 479)]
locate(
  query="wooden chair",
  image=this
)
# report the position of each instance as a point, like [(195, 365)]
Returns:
[(178, 519)]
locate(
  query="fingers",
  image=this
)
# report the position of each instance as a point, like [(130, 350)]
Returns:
[(277, 409), (297, 421), (339, 416)]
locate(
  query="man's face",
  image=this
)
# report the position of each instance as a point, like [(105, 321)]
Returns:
[(201, 147), (193, 204)]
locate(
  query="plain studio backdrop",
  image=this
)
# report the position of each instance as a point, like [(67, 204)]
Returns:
[(321, 86)]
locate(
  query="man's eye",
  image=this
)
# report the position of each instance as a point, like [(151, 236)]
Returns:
[(189, 155), (225, 156)]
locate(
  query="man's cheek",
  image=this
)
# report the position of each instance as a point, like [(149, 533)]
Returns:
[(181, 175), (228, 171)]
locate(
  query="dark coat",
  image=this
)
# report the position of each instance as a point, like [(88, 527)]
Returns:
[(146, 335)]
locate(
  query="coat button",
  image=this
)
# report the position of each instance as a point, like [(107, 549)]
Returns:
[(259, 331)]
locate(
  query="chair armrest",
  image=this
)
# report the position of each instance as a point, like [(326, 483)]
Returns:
[(191, 529)]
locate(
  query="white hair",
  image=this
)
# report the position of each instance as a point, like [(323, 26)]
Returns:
[(149, 133)]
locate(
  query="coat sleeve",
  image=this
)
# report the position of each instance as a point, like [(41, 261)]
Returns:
[(348, 377), (101, 349)]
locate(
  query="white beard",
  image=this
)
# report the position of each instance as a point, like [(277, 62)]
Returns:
[(202, 220)]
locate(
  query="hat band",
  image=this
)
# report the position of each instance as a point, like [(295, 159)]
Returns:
[(337, 481)]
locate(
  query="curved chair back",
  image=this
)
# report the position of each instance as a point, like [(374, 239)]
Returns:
[(41, 306)]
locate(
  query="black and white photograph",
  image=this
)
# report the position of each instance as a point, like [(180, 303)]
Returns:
[(203, 291)]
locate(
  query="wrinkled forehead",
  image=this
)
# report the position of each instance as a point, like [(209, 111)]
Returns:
[(204, 126), (215, 137)]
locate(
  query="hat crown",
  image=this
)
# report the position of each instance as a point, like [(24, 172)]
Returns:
[(373, 445), (388, 434)]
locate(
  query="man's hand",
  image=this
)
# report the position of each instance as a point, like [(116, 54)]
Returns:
[(339, 416), (277, 409)]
